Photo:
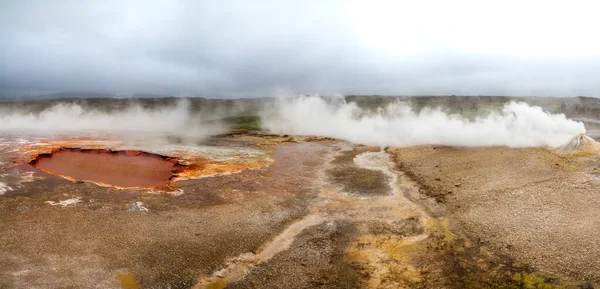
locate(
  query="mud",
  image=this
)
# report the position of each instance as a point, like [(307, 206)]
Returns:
[(124, 169)]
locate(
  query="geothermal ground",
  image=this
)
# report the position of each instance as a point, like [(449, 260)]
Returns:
[(264, 211), (249, 209)]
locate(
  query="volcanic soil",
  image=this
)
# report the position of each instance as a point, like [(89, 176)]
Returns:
[(254, 210)]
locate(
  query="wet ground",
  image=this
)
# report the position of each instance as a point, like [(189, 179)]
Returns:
[(127, 169), (254, 210)]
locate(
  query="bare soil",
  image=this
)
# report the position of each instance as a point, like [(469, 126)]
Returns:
[(308, 212), (536, 206)]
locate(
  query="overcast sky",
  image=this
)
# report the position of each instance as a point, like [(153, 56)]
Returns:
[(256, 48)]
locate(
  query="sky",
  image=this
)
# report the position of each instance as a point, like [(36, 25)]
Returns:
[(267, 47)]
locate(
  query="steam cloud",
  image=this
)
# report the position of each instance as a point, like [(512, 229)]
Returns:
[(172, 121), (517, 125)]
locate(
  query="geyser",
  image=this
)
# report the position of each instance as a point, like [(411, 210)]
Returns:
[(125, 169), (517, 124)]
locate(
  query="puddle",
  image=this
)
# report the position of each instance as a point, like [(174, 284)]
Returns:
[(115, 168)]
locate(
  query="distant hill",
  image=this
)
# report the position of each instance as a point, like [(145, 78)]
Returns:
[(79, 94), (55, 95)]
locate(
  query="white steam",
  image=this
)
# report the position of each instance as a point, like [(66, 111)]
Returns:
[(171, 121), (517, 125)]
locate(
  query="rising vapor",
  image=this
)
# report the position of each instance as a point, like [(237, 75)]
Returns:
[(169, 121), (516, 125)]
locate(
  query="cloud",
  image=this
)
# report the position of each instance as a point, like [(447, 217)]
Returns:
[(241, 48)]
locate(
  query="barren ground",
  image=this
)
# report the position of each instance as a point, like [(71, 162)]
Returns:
[(536, 206), (263, 211)]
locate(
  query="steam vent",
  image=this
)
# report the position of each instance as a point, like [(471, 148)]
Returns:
[(125, 169), (366, 192)]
